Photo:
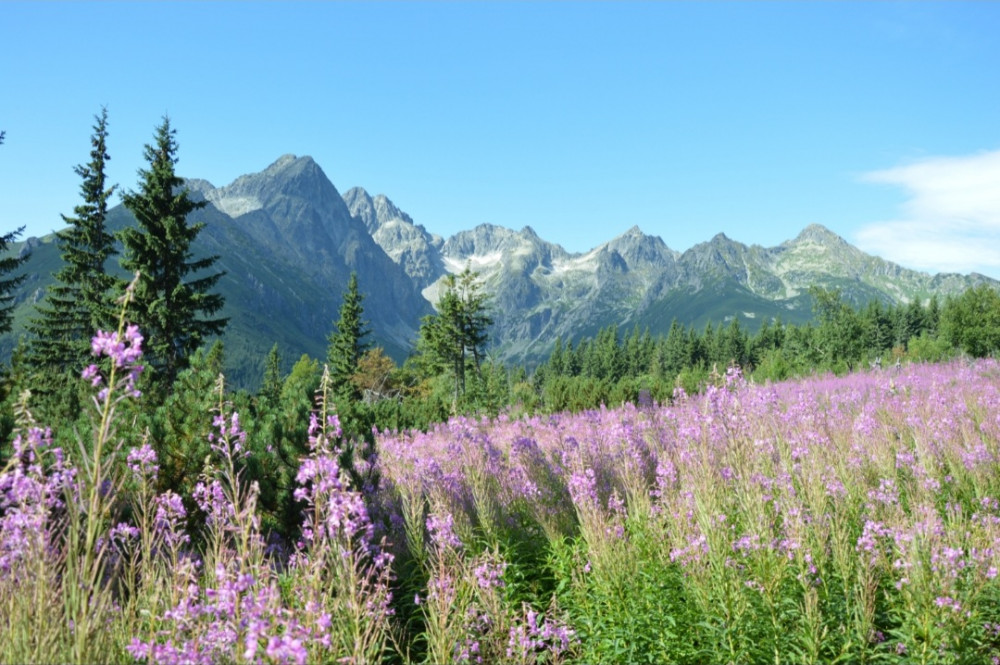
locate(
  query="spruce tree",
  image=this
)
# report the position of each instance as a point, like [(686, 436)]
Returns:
[(459, 329), (346, 342), (80, 301), (8, 264), (270, 390), (172, 295), (8, 283)]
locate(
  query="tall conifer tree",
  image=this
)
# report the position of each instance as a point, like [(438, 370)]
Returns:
[(8, 265), (458, 329), (270, 389), (80, 301), (172, 295), (347, 343)]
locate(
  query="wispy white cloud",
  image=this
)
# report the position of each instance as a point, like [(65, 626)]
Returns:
[(951, 221)]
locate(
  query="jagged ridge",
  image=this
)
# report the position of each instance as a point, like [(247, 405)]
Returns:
[(289, 240)]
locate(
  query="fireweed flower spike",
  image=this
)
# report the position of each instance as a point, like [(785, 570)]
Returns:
[(125, 350), (142, 462)]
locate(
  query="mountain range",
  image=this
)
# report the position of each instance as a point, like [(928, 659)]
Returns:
[(288, 241)]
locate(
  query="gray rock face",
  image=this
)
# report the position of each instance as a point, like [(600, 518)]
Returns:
[(409, 245), (293, 208), (540, 291)]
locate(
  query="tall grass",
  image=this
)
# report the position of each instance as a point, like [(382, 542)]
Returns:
[(831, 519), (852, 519)]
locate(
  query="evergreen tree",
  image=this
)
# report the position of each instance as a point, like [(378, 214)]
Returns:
[(270, 389), (8, 265), (346, 342), (697, 345), (733, 344), (933, 315), (607, 360), (458, 330), (635, 360), (876, 328), (80, 301), (8, 283), (839, 333), (168, 306), (762, 342), (912, 321), (709, 345), (475, 319), (557, 363), (290, 434), (675, 351)]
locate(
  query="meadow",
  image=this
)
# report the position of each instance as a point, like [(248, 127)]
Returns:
[(829, 519)]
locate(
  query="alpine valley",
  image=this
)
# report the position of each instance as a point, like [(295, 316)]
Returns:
[(288, 241)]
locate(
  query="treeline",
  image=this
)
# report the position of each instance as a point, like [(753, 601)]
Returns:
[(451, 373), (610, 369)]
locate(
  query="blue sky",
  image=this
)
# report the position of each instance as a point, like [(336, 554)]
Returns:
[(879, 120)]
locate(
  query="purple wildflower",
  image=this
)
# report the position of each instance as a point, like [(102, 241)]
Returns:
[(124, 352), (169, 519), (489, 574), (441, 530), (142, 462)]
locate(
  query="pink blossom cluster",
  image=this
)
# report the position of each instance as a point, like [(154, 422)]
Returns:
[(125, 351)]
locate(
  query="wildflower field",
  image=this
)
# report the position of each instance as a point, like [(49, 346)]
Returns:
[(852, 519)]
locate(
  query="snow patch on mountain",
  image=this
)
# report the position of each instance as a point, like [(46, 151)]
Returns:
[(235, 206)]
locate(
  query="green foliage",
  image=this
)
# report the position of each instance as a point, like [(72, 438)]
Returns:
[(488, 392), (840, 330), (346, 342), (82, 299), (929, 348), (8, 281), (971, 322), (270, 390), (173, 292), (179, 428), (457, 331), (282, 432), (631, 609)]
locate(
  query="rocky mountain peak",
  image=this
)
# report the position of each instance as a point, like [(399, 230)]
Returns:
[(409, 245), (361, 205), (282, 162), (198, 188), (375, 211), (298, 241), (288, 177), (817, 233), (386, 210), (483, 239), (641, 250)]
